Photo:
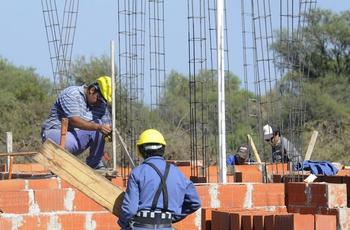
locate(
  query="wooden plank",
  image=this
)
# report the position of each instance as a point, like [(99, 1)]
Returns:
[(311, 146), (64, 129), (16, 154), (81, 176), (256, 154)]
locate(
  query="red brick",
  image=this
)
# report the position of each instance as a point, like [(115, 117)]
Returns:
[(50, 200), (40, 184), (294, 222), (283, 222), (105, 221), (14, 201), (206, 218), (235, 221), (303, 222), (29, 167), (231, 195), (72, 221), (337, 197), (258, 222), (246, 222), (277, 168), (248, 177), (188, 223), (118, 181), (325, 222), (220, 220), (12, 185), (268, 195), (343, 216), (84, 203), (296, 194), (203, 192), (269, 222), (317, 194), (40, 222), (65, 184), (247, 168), (5, 223)]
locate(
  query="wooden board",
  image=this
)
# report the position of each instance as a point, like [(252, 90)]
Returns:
[(81, 176), (311, 146), (255, 151)]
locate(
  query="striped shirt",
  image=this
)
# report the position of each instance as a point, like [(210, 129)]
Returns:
[(72, 102)]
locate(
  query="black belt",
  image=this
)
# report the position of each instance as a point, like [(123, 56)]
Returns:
[(153, 217), (151, 226)]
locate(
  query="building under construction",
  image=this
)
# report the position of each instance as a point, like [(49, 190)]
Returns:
[(57, 191)]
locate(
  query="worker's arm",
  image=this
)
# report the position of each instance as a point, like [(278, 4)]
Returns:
[(130, 203), (80, 123)]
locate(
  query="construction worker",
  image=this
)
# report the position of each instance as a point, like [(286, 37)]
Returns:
[(282, 149), (157, 194), (241, 156), (88, 116)]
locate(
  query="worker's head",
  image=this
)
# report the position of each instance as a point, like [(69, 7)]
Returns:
[(151, 143), (242, 154), (271, 135), (100, 91)]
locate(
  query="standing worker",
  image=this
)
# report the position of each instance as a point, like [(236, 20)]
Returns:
[(283, 150), (157, 194), (89, 119)]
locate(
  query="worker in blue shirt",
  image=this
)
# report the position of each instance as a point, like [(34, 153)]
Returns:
[(242, 156), (157, 194), (88, 119)]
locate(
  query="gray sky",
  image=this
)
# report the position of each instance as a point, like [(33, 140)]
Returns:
[(23, 39)]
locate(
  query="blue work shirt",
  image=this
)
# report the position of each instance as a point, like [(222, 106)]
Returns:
[(143, 183), (72, 102)]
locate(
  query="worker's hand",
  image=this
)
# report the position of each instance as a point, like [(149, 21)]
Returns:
[(105, 129)]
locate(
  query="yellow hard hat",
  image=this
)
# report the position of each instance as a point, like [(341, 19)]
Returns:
[(105, 85), (151, 136)]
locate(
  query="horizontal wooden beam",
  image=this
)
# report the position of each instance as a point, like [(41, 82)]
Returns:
[(15, 154)]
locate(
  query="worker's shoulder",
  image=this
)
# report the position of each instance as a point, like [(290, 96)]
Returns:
[(73, 90)]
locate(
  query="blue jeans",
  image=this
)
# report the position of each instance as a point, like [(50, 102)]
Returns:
[(77, 141)]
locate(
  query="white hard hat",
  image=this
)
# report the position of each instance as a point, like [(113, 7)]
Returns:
[(268, 132)]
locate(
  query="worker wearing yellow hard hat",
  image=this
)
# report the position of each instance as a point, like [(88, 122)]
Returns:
[(104, 84), (157, 194), (89, 119)]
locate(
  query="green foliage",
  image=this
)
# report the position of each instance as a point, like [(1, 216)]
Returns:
[(177, 111), (25, 100), (321, 47), (87, 71)]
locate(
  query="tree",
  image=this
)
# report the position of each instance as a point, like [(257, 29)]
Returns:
[(25, 98), (319, 57), (320, 47)]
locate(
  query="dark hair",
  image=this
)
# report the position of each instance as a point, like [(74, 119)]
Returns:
[(151, 149), (94, 85)]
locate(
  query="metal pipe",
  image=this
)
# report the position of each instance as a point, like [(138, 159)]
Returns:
[(221, 90), (114, 140)]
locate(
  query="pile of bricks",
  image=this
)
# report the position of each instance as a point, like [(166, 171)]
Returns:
[(51, 203)]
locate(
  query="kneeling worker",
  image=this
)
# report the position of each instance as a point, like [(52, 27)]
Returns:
[(89, 119), (157, 194)]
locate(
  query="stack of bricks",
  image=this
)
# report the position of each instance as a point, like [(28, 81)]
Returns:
[(49, 204), (237, 197), (319, 198), (270, 220), (54, 204)]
